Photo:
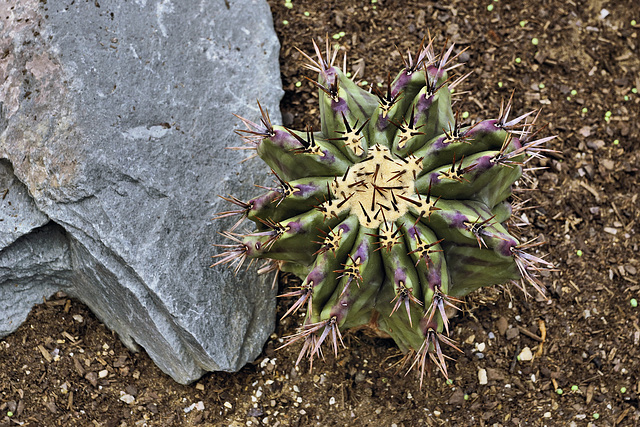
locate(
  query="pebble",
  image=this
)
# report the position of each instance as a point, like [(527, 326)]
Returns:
[(512, 333), (228, 405), (127, 398), (502, 325), (103, 373), (525, 355), (482, 376)]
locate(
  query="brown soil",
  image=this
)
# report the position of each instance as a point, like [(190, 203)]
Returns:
[(586, 204)]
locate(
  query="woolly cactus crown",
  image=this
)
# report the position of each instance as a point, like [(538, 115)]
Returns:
[(392, 211)]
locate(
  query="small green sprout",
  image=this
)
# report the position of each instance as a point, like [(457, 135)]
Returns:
[(490, 7), (465, 115), (500, 84), (518, 60), (559, 391), (634, 90), (623, 390), (285, 22), (288, 5), (596, 416), (9, 414), (633, 302), (579, 252), (574, 388), (616, 142), (307, 14), (626, 97), (534, 41), (584, 110), (574, 92), (449, 381), (298, 84), (541, 86), (465, 397), (633, 22), (523, 23)]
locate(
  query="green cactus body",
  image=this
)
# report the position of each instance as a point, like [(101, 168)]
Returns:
[(391, 211)]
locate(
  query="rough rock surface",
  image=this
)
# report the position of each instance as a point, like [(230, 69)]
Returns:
[(114, 116)]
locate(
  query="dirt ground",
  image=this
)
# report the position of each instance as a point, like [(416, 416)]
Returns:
[(579, 61)]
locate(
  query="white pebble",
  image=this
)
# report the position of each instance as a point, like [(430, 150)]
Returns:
[(103, 373), (228, 405), (481, 347), (525, 355), (127, 398), (482, 376), (200, 406), (332, 401)]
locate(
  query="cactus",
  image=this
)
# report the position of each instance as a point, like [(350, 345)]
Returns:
[(392, 212)]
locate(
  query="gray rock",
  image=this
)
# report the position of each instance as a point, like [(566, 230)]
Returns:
[(18, 213), (115, 116)]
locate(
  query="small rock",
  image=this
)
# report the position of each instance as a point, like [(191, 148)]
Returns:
[(525, 355), (494, 374), (630, 269), (585, 131), (607, 163), (502, 325), (103, 374), (92, 378), (512, 333), (457, 398), (127, 398), (482, 376)]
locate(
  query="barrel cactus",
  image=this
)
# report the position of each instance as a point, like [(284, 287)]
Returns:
[(389, 213)]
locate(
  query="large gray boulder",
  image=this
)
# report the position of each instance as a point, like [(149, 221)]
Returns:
[(114, 119)]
